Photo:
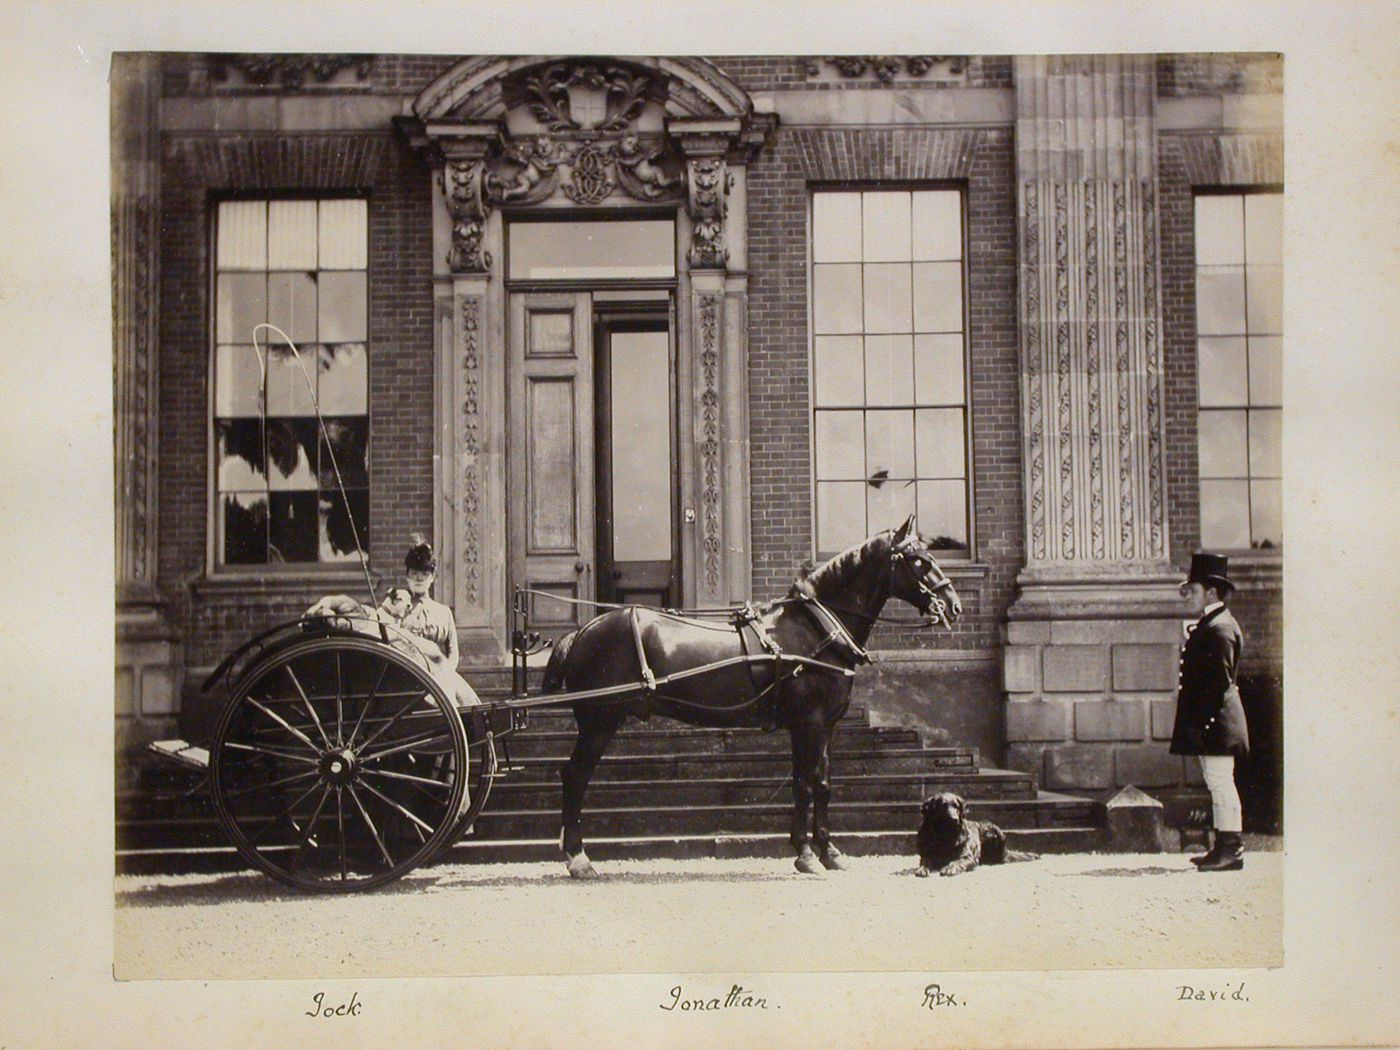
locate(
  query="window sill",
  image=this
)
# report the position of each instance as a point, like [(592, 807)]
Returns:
[(279, 584)]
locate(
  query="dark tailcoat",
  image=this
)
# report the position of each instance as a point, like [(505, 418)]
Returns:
[(1209, 715)]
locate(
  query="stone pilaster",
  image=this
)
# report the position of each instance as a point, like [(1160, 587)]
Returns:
[(1091, 643), (148, 658)]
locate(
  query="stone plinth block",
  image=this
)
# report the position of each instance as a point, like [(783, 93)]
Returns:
[(1028, 632), (1021, 668), (1109, 720), (1147, 766), (1116, 632), (1038, 720), (1084, 768), (1163, 719), (126, 689), (1075, 668), (1145, 666), (1027, 758), (1135, 823)]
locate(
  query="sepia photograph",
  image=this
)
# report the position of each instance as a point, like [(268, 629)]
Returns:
[(679, 541)]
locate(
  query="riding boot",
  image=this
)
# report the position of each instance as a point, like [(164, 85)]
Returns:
[(1211, 853), (1229, 855)]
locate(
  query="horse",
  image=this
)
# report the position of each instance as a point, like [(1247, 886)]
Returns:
[(789, 665)]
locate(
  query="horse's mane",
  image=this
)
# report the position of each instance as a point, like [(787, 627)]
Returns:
[(839, 570)]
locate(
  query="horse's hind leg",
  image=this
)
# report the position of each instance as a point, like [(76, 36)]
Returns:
[(831, 858), (596, 727)]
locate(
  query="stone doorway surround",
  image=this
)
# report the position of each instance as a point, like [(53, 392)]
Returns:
[(671, 135)]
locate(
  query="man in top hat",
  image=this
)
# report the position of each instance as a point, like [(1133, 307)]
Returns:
[(1209, 716)]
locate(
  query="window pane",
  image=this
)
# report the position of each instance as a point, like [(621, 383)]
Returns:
[(291, 235), (287, 390), (342, 382), (941, 442), (937, 225), (836, 227), (342, 307), (889, 443), (836, 298), (840, 514), (1263, 214), (1225, 514), (840, 373), (1266, 511), (349, 440), (242, 235), (939, 377), (239, 444), (938, 303), (243, 528), (336, 535), (291, 305), (291, 448), (840, 445), (344, 235), (1223, 447), (1266, 443), (293, 527), (641, 421), (1220, 301), (1266, 300), (552, 250), (237, 381), (888, 505), (1265, 370), (242, 305), (942, 509), (885, 227), (889, 369), (887, 298), (1219, 231), (1223, 377)]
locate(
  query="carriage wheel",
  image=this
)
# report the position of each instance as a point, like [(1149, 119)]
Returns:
[(340, 765)]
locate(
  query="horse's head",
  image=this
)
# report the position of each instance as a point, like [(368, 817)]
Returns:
[(918, 579)]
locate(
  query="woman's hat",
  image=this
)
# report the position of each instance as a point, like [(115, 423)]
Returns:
[(420, 558), (1211, 570)]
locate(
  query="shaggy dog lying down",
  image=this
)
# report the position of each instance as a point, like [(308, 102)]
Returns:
[(950, 844)]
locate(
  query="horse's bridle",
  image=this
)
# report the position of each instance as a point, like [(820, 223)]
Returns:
[(920, 563)]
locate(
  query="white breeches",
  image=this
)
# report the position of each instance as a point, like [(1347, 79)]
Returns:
[(1219, 774)]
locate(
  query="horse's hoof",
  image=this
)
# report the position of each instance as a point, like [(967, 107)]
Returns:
[(580, 867), (834, 860), (806, 863)]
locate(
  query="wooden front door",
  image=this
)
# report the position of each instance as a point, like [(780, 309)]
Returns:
[(551, 461)]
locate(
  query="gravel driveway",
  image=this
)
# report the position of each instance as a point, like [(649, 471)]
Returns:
[(750, 915)]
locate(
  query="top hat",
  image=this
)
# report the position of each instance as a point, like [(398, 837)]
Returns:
[(420, 558), (1212, 570)]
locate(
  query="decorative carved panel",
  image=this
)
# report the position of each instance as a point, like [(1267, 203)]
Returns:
[(708, 205), (462, 189), (886, 68), (470, 539), (709, 439), (285, 71)]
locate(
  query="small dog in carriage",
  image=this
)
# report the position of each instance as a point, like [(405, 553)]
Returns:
[(950, 844)]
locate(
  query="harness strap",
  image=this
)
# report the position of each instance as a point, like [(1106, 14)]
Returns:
[(836, 631), (648, 679)]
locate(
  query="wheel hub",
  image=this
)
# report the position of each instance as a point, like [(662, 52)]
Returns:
[(339, 766)]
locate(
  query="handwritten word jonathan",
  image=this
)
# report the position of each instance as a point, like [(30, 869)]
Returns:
[(1207, 995), (739, 998), (346, 1009), (935, 997)]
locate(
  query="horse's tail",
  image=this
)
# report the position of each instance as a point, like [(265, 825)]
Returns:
[(554, 670)]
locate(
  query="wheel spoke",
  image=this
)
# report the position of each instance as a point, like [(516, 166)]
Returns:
[(339, 702), (405, 776), (310, 825), (285, 724), (270, 751), (271, 784), (392, 722), (372, 829), (340, 823), (307, 701), (369, 702), (404, 745), (285, 813), (388, 801)]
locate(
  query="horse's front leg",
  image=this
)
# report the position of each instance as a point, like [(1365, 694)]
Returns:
[(806, 771), (831, 858), (595, 732)]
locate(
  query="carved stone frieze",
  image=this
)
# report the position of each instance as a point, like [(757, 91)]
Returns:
[(287, 71), (462, 190), (470, 537), (587, 96), (886, 68), (709, 308), (587, 170), (708, 185)]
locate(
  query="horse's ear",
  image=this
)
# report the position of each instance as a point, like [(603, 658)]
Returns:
[(902, 533)]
